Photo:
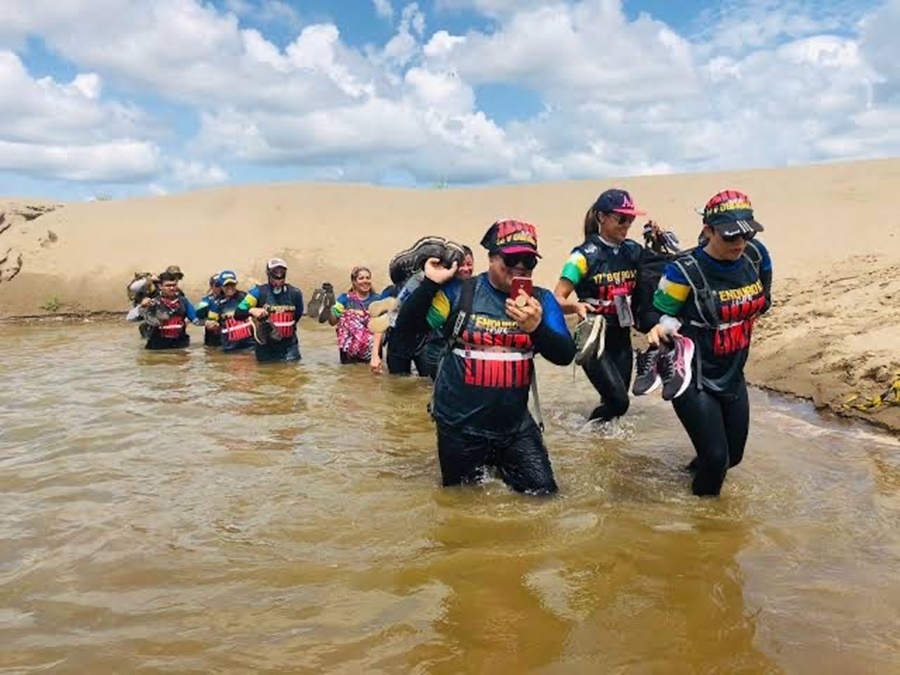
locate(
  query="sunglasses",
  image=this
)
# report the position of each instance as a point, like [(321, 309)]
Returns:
[(280, 276), (746, 236), (526, 260)]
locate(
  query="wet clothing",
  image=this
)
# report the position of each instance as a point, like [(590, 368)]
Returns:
[(603, 275), (611, 374), (212, 337), (717, 425), (715, 410), (353, 334), (172, 331), (521, 458), (405, 347), (285, 308), (481, 389), (234, 335)]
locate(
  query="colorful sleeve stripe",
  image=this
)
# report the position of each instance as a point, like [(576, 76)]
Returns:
[(439, 310), (251, 299), (575, 269), (672, 291)]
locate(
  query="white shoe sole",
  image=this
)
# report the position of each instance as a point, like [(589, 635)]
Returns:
[(688, 366), (592, 344)]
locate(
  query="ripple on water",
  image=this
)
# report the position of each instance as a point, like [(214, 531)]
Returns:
[(196, 511)]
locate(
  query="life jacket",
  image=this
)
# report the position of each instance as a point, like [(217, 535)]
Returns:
[(702, 294), (280, 316), (353, 335), (173, 328), (511, 362)]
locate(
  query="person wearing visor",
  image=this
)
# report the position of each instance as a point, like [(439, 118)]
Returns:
[(275, 308), (711, 296), (494, 323), (603, 273), (234, 335)]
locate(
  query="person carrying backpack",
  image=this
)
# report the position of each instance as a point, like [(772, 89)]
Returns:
[(606, 273), (481, 389), (708, 299)]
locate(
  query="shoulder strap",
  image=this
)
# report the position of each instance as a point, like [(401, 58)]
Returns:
[(690, 268), (463, 308), (753, 254)]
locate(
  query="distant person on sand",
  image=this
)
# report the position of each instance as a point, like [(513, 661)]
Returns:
[(481, 391), (166, 315), (604, 272), (350, 315), (275, 308), (706, 303), (234, 335)]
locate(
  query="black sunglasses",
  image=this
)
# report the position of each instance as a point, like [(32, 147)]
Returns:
[(731, 238), (279, 277), (526, 260)]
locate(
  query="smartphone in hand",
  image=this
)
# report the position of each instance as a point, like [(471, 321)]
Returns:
[(520, 283)]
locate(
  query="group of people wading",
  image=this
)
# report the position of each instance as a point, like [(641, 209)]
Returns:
[(476, 335)]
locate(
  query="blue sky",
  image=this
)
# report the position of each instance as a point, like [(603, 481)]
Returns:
[(120, 98)]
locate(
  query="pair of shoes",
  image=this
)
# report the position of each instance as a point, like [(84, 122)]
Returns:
[(407, 262), (669, 367), (318, 301), (383, 313), (264, 331), (328, 301), (590, 338)]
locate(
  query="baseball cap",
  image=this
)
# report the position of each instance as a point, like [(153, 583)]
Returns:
[(617, 201), (731, 213), (275, 262), (227, 277), (174, 269), (511, 236)]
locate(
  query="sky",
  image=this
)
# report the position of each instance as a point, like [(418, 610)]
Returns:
[(121, 98)]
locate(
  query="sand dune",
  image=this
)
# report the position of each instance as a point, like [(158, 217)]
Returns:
[(832, 229)]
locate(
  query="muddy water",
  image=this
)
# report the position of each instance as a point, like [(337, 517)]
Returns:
[(191, 512)]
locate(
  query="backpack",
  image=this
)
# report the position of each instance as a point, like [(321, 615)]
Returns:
[(353, 335), (135, 298), (704, 297)]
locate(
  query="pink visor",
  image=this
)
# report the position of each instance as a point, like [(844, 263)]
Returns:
[(519, 249)]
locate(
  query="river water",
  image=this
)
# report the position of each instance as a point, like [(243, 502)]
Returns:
[(196, 512)]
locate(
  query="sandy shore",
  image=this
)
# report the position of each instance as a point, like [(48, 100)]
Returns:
[(833, 232)]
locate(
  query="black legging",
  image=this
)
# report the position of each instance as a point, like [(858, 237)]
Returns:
[(717, 425), (611, 374), (521, 458)]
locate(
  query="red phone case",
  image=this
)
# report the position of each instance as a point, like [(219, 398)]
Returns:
[(524, 283)]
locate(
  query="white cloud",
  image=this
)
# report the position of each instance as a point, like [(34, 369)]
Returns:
[(111, 162), (196, 174), (384, 9), (753, 83)]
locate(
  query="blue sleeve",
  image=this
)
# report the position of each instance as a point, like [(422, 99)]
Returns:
[(553, 315), (189, 310)]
